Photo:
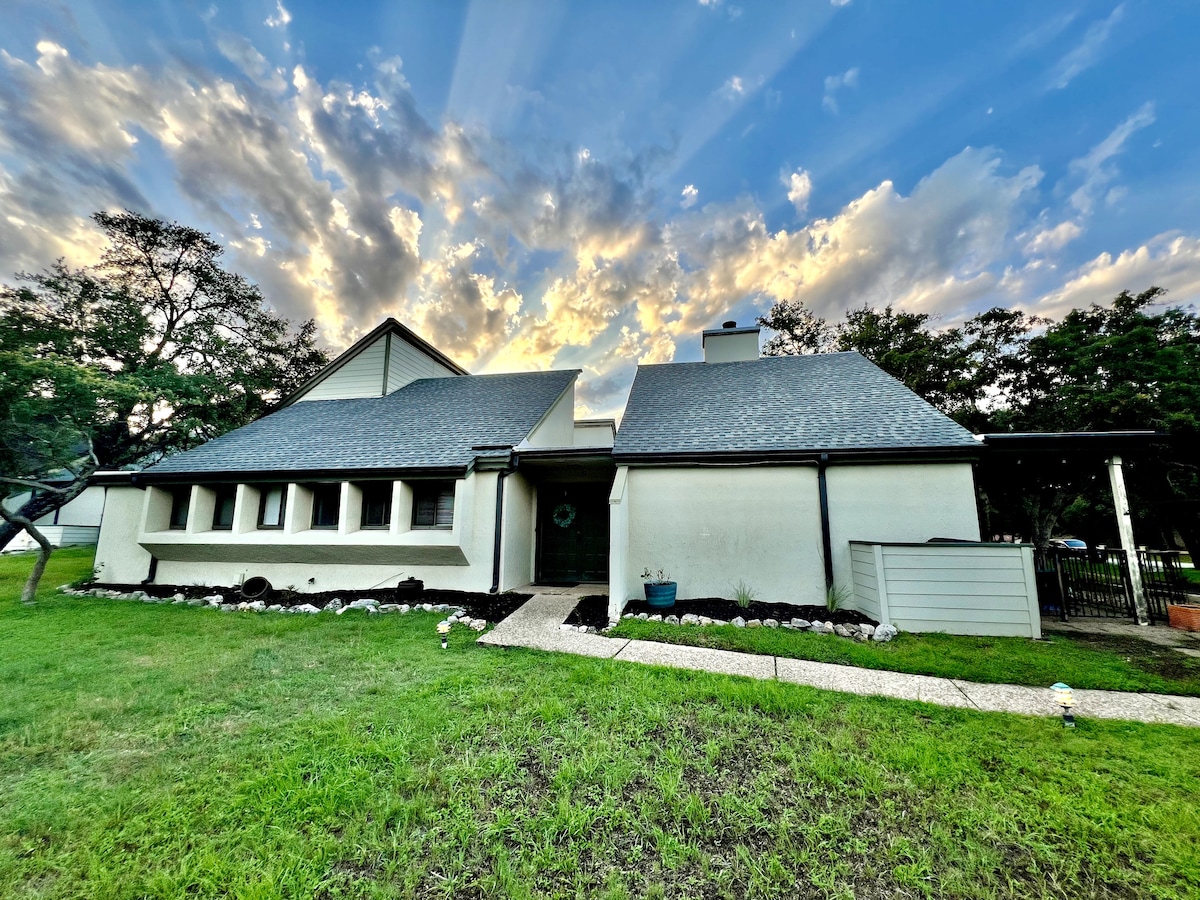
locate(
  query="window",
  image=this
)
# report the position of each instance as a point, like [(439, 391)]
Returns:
[(223, 510), (272, 499), (327, 499), (181, 499), (433, 505), (377, 504)]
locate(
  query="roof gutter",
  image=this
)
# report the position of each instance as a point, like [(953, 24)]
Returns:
[(794, 457)]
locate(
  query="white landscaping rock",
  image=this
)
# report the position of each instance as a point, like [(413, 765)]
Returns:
[(629, 616), (800, 623), (867, 630), (275, 607), (256, 606), (739, 622), (885, 633), (705, 620), (657, 617), (334, 605), (404, 607), (841, 631), (478, 624), (754, 623), (643, 616), (671, 620), (770, 623), (565, 627), (689, 619), (306, 608)]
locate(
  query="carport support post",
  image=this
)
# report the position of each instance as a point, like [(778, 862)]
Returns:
[(1125, 530)]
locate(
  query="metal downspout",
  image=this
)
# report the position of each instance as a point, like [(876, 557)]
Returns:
[(504, 473), (826, 540)]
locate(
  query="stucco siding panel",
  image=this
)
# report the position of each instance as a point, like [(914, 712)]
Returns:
[(710, 528), (557, 428), (517, 565), (898, 503), (119, 557)]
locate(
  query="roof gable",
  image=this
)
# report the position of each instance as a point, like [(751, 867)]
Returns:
[(432, 423), (779, 405), (381, 361)]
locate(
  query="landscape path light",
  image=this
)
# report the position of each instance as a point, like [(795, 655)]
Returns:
[(1064, 698), (443, 630)]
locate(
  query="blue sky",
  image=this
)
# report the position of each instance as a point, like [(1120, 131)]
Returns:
[(531, 184)]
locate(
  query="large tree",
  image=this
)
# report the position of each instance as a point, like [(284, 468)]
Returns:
[(156, 349)]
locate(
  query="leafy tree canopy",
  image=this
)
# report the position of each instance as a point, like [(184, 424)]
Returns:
[(156, 349)]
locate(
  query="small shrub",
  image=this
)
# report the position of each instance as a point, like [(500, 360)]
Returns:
[(662, 576), (743, 594), (836, 597)]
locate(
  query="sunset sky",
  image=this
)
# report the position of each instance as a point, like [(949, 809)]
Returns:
[(537, 184)]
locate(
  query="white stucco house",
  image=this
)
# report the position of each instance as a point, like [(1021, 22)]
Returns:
[(787, 474), (75, 524)]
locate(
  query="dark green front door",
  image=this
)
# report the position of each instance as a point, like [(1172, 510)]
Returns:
[(572, 532)]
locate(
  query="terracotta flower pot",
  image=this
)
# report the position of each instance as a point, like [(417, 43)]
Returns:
[(1184, 616)]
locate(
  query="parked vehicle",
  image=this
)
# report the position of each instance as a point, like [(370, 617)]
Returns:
[(1068, 544)]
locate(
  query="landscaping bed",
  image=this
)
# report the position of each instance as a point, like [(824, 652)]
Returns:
[(491, 607), (728, 610)]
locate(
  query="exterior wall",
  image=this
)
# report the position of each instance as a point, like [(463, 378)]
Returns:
[(57, 535), (119, 558), (348, 557), (897, 503), (594, 434), (557, 428), (711, 527), (738, 346), (985, 589), (360, 377), (407, 364), (517, 549)]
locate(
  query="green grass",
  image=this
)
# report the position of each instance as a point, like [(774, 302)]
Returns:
[(1192, 576), (1094, 662), (163, 751)]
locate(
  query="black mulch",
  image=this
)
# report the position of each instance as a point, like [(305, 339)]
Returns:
[(720, 608), (591, 610), (492, 607)]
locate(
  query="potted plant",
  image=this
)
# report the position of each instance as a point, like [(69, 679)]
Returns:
[(660, 589), (1185, 616)]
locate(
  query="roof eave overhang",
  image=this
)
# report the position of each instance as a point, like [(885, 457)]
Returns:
[(302, 475), (801, 457), (1102, 442)]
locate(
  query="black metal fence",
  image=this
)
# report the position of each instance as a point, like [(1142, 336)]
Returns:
[(1096, 582)]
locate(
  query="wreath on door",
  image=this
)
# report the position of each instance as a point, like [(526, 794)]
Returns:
[(564, 515)]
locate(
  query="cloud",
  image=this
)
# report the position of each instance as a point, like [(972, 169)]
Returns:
[(839, 2), (1171, 261), (281, 18), (799, 186), (1048, 240), (346, 203), (1088, 52), (734, 88), (833, 84), (1095, 170)]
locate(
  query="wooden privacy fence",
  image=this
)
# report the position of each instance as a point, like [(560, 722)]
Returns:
[(958, 588), (1096, 583)]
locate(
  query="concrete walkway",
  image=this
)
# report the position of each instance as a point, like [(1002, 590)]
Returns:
[(536, 625)]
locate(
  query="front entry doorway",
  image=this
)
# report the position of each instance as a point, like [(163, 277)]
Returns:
[(572, 533)]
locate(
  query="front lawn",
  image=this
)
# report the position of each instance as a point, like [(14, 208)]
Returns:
[(1104, 663), (166, 751)]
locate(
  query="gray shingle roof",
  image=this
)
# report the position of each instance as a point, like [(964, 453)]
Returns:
[(430, 423), (827, 402)]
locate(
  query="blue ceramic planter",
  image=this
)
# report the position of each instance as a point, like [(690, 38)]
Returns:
[(661, 596)]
